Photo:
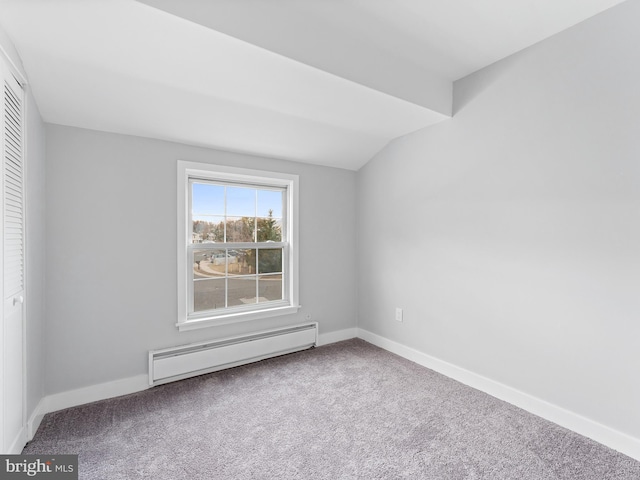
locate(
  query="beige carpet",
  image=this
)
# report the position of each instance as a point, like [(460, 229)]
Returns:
[(344, 411)]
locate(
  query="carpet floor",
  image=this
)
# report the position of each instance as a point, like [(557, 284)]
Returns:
[(343, 411)]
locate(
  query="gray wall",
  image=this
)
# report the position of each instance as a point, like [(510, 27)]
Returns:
[(111, 252), (510, 235)]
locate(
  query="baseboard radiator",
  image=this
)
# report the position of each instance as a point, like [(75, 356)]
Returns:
[(170, 364)]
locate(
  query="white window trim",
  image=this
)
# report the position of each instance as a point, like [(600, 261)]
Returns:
[(222, 172)]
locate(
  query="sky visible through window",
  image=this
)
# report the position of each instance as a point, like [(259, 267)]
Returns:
[(208, 201)]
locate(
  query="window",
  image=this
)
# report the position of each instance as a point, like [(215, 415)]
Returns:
[(237, 245)]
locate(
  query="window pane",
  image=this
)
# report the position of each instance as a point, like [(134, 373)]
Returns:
[(242, 262), (270, 203), (269, 288), (207, 199), (242, 290), (269, 260), (241, 202), (269, 229), (233, 262), (241, 229), (208, 230), (208, 294), (208, 263)]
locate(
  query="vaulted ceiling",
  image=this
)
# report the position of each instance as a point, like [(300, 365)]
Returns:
[(329, 82)]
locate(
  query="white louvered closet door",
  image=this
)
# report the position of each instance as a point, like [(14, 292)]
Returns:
[(13, 251)]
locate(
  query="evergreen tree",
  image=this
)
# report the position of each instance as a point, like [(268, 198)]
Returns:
[(269, 261)]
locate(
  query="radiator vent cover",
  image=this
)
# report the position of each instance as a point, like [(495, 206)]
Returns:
[(185, 361)]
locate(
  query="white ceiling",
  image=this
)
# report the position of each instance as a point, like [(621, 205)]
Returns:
[(329, 82)]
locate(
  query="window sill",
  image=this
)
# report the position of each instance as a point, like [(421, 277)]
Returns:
[(236, 317)]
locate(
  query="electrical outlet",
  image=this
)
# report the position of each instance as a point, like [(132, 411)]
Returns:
[(398, 314)]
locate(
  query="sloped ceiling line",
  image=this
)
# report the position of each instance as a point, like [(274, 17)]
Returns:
[(329, 83)]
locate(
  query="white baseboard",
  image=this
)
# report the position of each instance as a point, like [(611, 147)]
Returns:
[(337, 336), (36, 419), (93, 393), (18, 443), (584, 426), (80, 396)]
